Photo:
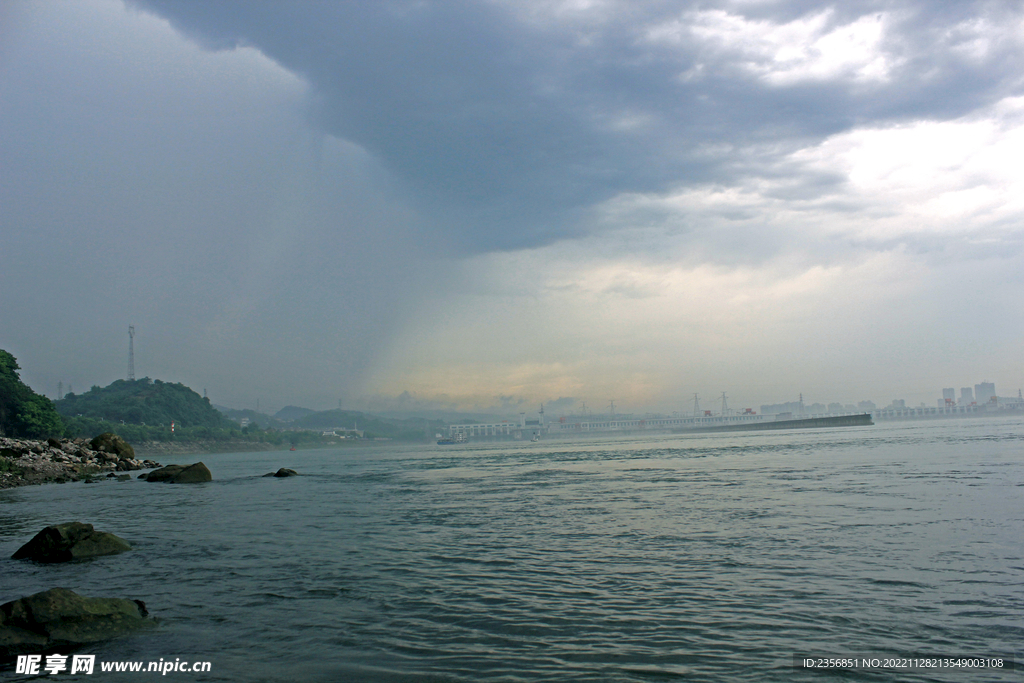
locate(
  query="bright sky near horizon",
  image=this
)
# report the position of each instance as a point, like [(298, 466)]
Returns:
[(486, 205)]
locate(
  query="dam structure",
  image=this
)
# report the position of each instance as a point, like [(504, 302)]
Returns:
[(797, 416), (575, 425)]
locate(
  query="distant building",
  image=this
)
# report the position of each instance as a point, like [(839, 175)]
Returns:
[(949, 394), (795, 407), (984, 392), (966, 396), (898, 404), (836, 408), (866, 406)]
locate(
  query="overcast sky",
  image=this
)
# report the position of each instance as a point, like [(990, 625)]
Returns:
[(484, 205)]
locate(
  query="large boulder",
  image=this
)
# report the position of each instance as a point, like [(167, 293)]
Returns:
[(164, 473), (283, 472), (108, 442), (60, 618), (71, 541), (193, 474), (178, 474)]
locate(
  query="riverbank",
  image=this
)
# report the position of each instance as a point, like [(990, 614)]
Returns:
[(27, 461)]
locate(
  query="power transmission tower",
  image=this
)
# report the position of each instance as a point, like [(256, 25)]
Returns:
[(696, 406), (60, 390), (725, 406), (131, 353), (611, 407)]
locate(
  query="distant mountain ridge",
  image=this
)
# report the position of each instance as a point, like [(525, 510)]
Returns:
[(331, 420), (262, 419), (408, 429), (291, 413)]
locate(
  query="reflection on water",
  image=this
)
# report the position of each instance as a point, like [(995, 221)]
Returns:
[(639, 558)]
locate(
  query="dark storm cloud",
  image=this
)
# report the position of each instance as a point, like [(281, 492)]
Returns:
[(147, 182), (508, 126)]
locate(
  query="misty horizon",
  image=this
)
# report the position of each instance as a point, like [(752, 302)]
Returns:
[(508, 406)]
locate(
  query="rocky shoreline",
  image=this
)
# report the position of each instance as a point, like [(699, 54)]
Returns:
[(27, 461)]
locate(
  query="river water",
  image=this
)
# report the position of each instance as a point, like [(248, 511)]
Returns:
[(625, 558)]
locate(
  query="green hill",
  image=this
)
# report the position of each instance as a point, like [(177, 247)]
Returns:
[(143, 402)]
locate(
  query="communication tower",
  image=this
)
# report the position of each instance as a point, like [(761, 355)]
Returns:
[(131, 353)]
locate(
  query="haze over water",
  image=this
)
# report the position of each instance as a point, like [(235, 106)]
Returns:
[(632, 558)]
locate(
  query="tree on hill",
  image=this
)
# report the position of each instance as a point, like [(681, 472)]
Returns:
[(143, 402), (23, 412)]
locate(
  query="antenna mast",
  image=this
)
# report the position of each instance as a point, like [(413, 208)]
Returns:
[(131, 353)]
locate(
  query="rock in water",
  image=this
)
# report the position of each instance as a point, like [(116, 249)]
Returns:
[(71, 541), (193, 474), (283, 472), (108, 442), (61, 618), (178, 474), (164, 473)]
